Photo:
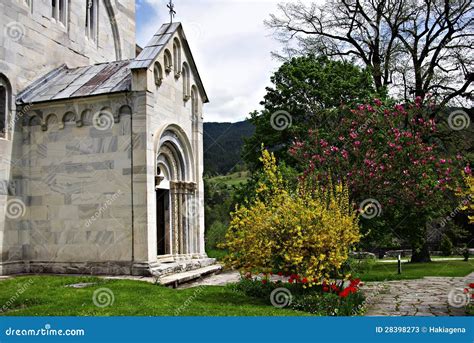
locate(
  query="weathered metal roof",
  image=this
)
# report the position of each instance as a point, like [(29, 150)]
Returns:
[(65, 83), (105, 78), (154, 46)]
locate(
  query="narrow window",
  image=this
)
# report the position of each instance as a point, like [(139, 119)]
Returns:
[(194, 103), (3, 109), (59, 11), (62, 15), (186, 82), (29, 3), (177, 57), (168, 61), (5, 103), (92, 12), (158, 74)]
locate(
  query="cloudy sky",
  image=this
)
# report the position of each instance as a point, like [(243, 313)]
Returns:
[(230, 44)]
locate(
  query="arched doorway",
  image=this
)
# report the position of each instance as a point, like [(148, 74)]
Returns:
[(176, 224)]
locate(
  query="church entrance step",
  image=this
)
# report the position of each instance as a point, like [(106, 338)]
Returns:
[(162, 269), (174, 280)]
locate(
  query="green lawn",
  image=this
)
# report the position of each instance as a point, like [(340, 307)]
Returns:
[(48, 296), (388, 271), (232, 179)]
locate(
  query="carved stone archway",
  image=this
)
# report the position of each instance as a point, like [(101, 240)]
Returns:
[(177, 223)]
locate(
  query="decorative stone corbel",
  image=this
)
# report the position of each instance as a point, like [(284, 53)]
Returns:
[(158, 181)]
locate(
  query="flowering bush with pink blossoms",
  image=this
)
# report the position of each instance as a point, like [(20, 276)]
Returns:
[(388, 154)]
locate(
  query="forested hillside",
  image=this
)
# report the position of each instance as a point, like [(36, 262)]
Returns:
[(223, 145)]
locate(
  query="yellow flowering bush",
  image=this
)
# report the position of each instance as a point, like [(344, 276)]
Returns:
[(468, 198), (305, 233)]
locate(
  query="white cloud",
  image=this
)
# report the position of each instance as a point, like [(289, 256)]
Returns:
[(232, 48)]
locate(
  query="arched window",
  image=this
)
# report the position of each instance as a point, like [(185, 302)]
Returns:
[(168, 61), (194, 103), (158, 74), (29, 3), (5, 98), (186, 82), (60, 11), (92, 13), (177, 57)]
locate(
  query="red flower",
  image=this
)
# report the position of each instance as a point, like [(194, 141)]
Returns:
[(347, 291), (325, 289), (264, 281), (290, 280), (344, 293), (305, 280), (355, 283), (280, 274), (471, 285)]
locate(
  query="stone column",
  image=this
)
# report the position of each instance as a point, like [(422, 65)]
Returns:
[(192, 216), (184, 217), (174, 219)]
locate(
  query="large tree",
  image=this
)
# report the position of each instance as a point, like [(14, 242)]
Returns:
[(304, 94), (418, 46), (395, 170)]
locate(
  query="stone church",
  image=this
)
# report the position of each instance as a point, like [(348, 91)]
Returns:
[(101, 145)]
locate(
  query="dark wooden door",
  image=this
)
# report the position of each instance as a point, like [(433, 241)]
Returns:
[(162, 219)]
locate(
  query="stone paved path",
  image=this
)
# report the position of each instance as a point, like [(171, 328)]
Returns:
[(422, 297), (221, 279)]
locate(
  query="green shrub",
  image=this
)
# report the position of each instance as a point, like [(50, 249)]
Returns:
[(329, 304), (307, 299), (358, 267), (446, 246), (215, 235)]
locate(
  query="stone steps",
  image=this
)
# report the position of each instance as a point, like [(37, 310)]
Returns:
[(167, 268), (174, 280)]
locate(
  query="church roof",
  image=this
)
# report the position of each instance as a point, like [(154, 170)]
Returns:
[(155, 46), (158, 43), (64, 83), (105, 78)]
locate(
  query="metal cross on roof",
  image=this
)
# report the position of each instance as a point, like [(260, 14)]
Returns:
[(172, 11)]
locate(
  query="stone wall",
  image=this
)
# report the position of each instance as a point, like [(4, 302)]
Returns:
[(32, 43), (166, 108), (73, 188)]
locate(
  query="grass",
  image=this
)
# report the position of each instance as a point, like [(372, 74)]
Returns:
[(234, 179), (432, 257), (48, 296), (388, 271)]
